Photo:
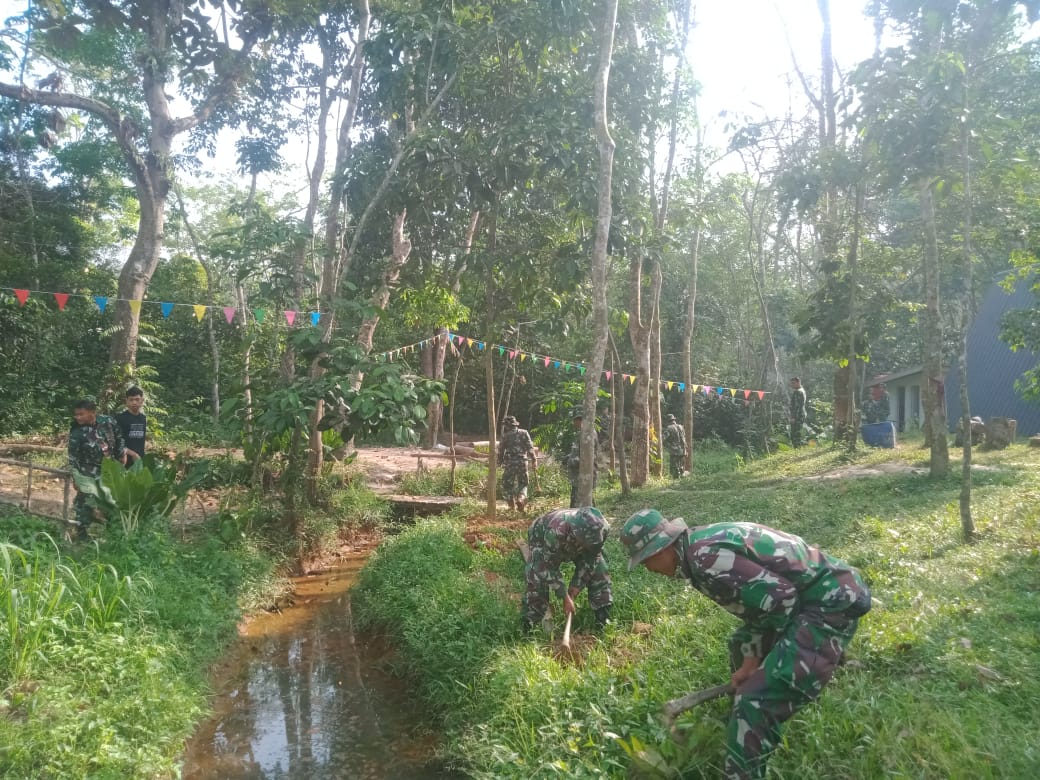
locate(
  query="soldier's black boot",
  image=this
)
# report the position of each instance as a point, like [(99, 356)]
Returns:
[(602, 618), (526, 626)]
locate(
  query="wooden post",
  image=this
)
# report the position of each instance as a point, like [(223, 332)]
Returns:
[(65, 498), (28, 488)]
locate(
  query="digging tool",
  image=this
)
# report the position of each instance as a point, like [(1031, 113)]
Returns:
[(675, 707), (566, 643), (537, 485)]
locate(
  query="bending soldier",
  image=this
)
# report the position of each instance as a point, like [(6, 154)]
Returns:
[(575, 535), (800, 609)]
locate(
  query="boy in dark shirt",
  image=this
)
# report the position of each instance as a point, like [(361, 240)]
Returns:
[(133, 424)]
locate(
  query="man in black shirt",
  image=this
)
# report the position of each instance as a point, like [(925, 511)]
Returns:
[(133, 424)]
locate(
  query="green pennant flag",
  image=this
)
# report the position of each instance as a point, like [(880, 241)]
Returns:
[(501, 350), (259, 314)]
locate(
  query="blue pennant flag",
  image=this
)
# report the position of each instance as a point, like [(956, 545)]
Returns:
[(166, 309), (101, 302), (315, 316)]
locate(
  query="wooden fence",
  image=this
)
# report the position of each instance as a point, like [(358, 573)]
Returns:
[(31, 467)]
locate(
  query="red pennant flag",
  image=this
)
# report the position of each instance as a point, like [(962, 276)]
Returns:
[(22, 296), (62, 299), (290, 317), (761, 394), (747, 394)]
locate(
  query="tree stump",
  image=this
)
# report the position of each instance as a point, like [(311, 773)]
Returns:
[(1034, 441), (978, 433), (1000, 432)]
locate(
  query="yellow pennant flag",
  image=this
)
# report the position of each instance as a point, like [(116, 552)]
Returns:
[(523, 356), (135, 307), (733, 392), (696, 388), (631, 379), (669, 384), (200, 311)]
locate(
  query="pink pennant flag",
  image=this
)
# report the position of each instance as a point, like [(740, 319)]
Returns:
[(547, 358), (290, 317), (22, 296), (512, 354), (62, 299), (229, 313), (761, 394), (608, 374), (747, 394)]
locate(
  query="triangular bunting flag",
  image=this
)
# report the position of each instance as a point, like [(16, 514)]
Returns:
[(512, 354), (523, 356), (761, 394), (581, 369), (696, 388), (166, 309), (720, 390), (22, 296), (608, 374), (101, 301), (556, 364), (669, 385), (501, 350), (135, 307), (631, 379), (259, 314), (229, 314), (200, 311), (62, 299), (706, 389), (547, 359), (747, 394), (480, 345), (315, 317), (290, 316), (682, 387)]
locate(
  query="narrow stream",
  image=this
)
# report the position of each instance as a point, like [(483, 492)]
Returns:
[(304, 698)]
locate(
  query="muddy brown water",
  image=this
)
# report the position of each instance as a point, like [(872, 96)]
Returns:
[(305, 698)]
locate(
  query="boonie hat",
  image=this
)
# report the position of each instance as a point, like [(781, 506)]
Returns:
[(646, 533)]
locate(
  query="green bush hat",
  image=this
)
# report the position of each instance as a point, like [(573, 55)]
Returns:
[(511, 422), (646, 533), (670, 418)]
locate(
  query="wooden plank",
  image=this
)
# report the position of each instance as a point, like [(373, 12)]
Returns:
[(28, 464)]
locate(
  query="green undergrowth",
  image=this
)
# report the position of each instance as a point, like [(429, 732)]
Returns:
[(940, 681), (105, 648), (471, 482)]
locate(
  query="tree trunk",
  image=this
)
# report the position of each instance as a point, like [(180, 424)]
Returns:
[(489, 367), (599, 257), (934, 389), (967, 521), (687, 343), (639, 335), (657, 282), (852, 438), (619, 421)]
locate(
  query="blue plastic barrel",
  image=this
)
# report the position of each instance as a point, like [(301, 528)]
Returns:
[(882, 434)]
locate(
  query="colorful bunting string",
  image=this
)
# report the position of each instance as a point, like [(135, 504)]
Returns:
[(167, 308)]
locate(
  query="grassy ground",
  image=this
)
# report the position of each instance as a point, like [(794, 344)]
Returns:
[(941, 680), (105, 648)]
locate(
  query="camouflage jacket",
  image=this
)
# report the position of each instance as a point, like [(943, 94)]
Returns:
[(89, 444), (675, 439), (516, 447), (765, 576), (575, 535), (798, 404), (876, 411)]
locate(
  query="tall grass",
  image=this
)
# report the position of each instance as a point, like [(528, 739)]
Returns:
[(941, 680)]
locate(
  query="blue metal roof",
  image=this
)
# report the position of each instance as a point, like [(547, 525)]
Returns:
[(993, 368)]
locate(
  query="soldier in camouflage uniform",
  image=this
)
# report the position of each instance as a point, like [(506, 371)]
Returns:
[(92, 438), (797, 411), (800, 609), (675, 444), (877, 408), (574, 459), (514, 451), (567, 535)]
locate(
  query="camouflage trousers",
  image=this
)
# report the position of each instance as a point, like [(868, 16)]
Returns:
[(515, 480), (84, 515), (538, 575), (676, 463), (796, 431), (799, 661)]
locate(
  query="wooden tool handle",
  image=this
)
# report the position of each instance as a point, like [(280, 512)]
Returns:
[(691, 700), (567, 631)]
